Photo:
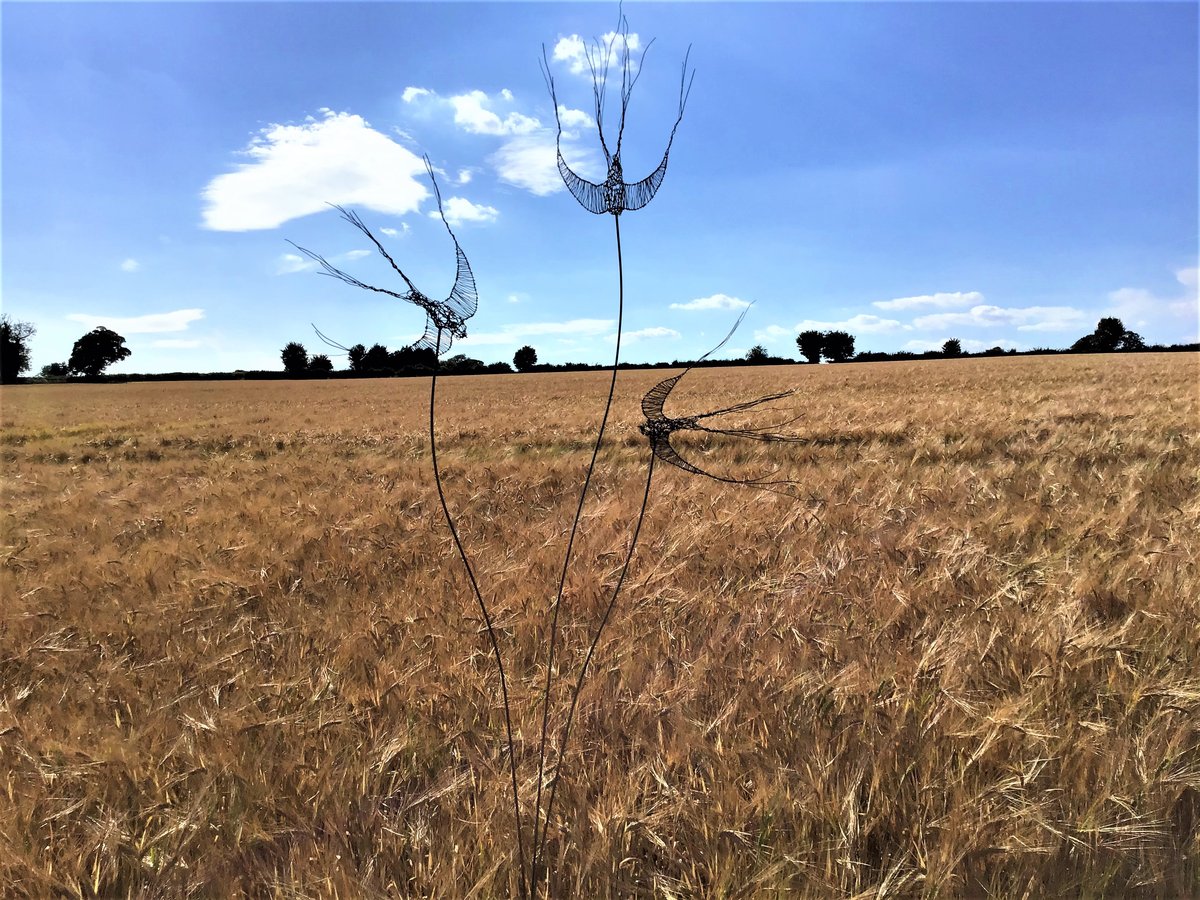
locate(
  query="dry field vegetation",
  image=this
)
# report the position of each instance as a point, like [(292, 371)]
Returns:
[(238, 655)]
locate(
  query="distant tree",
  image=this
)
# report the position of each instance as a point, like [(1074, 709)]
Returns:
[(811, 344), (356, 354), (952, 349), (1086, 344), (757, 354), (1131, 340), (96, 351), (320, 364), (410, 359), (525, 359), (838, 345), (498, 367), (14, 348), (463, 365), (295, 358), (1108, 334), (994, 351), (55, 370), (376, 359)]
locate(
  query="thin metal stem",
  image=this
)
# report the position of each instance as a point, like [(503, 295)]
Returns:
[(567, 563), (566, 732), (487, 621)]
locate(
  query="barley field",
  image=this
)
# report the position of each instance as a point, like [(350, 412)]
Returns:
[(239, 657)]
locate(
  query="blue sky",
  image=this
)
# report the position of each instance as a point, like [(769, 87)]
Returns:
[(1002, 173)]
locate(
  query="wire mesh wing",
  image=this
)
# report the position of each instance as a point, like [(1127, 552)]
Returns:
[(464, 297), (590, 196), (656, 397), (430, 340)]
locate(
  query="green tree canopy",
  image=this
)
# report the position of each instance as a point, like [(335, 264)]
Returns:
[(97, 350)]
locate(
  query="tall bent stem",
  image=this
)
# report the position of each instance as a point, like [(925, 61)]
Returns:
[(566, 731), (562, 580), (487, 621)]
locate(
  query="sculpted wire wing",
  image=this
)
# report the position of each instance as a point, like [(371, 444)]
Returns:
[(464, 297)]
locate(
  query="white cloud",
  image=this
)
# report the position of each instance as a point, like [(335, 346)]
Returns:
[(296, 170), (716, 301), (1028, 318), (465, 176), (863, 322), (395, 232), (130, 265), (412, 93), (608, 48), (516, 333), (472, 115), (459, 210), (530, 161), (175, 344), (773, 333), (153, 323), (654, 332), (949, 300), (1189, 278), (291, 263)]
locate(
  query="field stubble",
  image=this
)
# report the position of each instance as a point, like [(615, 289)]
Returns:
[(239, 656)]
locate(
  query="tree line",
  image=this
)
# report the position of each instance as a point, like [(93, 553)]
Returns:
[(95, 351)]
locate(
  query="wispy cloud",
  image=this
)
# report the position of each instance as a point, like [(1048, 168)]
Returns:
[(296, 170), (656, 331), (175, 344), (863, 322), (291, 263), (518, 332), (716, 301), (948, 300), (1027, 318), (130, 265), (152, 323), (395, 232)]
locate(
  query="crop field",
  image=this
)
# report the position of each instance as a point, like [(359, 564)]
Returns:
[(239, 656)]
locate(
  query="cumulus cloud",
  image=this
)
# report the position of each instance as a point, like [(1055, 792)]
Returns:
[(527, 158), (152, 323), (949, 300), (130, 265), (471, 113), (518, 332), (608, 50), (863, 322), (716, 301), (295, 170), (460, 210), (1027, 318), (656, 331), (395, 232)]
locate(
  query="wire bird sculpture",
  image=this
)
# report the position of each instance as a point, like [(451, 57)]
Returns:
[(614, 196), (658, 428), (445, 320)]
